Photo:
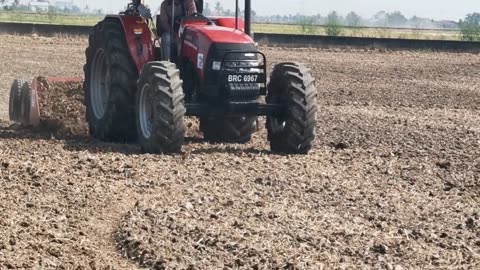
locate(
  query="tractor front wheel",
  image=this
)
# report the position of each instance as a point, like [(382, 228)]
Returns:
[(293, 86), (160, 109)]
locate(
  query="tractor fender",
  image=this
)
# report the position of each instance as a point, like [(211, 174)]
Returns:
[(139, 39)]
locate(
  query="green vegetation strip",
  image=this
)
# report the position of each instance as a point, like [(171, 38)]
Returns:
[(89, 20), (52, 18)]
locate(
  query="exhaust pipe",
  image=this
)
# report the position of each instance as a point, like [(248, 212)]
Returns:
[(248, 17)]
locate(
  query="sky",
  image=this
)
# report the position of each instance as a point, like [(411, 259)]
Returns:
[(433, 9)]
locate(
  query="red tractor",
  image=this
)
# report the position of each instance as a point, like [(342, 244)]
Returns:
[(215, 73)]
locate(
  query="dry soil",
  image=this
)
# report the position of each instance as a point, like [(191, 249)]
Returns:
[(393, 181)]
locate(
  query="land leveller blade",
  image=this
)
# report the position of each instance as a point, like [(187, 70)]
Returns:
[(26, 96)]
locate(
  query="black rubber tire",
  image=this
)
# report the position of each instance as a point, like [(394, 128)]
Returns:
[(229, 130), (118, 122), (292, 85), (15, 100), (25, 103), (161, 81)]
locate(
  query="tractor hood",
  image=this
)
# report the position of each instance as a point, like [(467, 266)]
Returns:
[(219, 34)]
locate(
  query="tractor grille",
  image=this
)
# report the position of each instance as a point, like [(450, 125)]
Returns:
[(216, 53), (238, 92)]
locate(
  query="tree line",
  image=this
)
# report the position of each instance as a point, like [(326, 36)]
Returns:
[(380, 19), (14, 5), (334, 22)]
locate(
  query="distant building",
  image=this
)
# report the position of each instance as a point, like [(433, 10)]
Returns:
[(43, 5), (39, 5), (64, 4), (447, 24), (24, 2)]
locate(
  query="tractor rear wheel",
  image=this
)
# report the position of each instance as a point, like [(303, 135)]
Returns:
[(110, 84), (228, 129), (160, 109), (293, 86), (15, 100)]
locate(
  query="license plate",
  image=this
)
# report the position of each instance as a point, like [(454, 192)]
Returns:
[(244, 78)]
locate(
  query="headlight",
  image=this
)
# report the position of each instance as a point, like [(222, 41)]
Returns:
[(243, 64), (216, 65), (240, 65)]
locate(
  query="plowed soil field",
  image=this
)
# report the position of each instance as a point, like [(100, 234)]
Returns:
[(393, 181)]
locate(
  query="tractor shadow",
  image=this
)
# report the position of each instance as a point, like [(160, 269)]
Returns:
[(18, 132), (211, 149), (194, 145), (72, 143)]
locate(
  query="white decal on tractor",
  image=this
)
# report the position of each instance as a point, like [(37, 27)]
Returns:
[(200, 61)]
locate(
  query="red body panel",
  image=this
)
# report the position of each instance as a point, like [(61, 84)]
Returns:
[(230, 23), (196, 38), (220, 34), (199, 37), (139, 39)]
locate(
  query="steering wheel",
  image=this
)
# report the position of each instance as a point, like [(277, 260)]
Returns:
[(195, 15), (200, 15)]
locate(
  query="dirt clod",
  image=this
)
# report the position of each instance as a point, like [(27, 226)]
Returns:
[(341, 145), (63, 112), (444, 165), (380, 249)]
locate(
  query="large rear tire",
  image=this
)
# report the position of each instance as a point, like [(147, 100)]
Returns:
[(292, 85), (15, 99), (110, 84), (160, 109), (228, 129)]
